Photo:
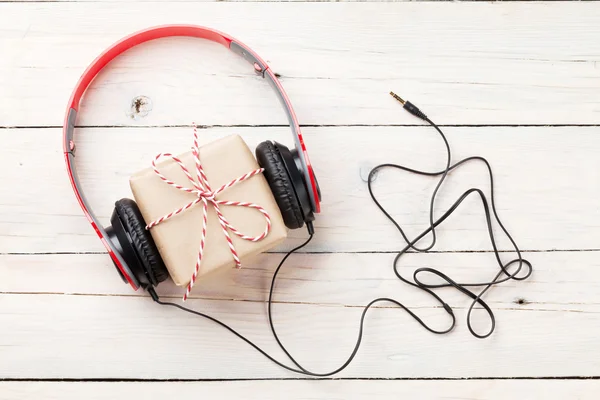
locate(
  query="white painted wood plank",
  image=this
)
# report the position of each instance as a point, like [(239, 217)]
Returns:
[(57, 336), (547, 184), (562, 281), (317, 390), (464, 63)]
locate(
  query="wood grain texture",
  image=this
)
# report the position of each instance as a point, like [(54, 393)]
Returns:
[(464, 63), (547, 181), (426, 390), (562, 281), (64, 314), (101, 337), (317, 294)]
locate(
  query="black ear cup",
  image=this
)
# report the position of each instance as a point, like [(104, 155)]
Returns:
[(286, 183), (138, 247)]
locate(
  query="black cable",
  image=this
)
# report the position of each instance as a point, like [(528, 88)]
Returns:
[(410, 244), (155, 297), (462, 287)]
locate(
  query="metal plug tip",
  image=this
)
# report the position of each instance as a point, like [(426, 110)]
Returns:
[(400, 99)]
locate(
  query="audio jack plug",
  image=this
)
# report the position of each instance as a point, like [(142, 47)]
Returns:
[(310, 227), (410, 107)]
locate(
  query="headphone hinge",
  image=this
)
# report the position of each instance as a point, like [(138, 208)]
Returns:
[(69, 144)]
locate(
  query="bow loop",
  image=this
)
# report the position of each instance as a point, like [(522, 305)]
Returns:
[(204, 194)]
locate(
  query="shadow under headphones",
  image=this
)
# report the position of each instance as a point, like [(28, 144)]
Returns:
[(289, 173)]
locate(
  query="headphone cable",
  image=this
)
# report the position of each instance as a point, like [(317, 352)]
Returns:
[(503, 274)]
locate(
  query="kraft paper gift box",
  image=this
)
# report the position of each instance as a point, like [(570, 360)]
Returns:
[(178, 238)]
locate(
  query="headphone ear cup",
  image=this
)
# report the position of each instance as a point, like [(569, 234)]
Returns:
[(270, 159), (146, 253)]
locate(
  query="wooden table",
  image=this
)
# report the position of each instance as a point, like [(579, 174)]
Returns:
[(516, 82)]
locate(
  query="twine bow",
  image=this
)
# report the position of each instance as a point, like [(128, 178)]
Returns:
[(201, 188)]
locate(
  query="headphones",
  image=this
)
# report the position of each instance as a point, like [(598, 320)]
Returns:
[(289, 173), (296, 191)]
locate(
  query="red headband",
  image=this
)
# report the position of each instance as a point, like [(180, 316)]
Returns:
[(260, 67)]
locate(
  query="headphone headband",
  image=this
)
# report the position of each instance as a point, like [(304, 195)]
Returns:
[(260, 67)]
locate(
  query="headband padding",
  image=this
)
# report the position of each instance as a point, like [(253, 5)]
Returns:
[(270, 159)]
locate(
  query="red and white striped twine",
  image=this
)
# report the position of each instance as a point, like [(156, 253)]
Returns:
[(201, 188)]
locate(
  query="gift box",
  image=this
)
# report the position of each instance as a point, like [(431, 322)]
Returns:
[(178, 238)]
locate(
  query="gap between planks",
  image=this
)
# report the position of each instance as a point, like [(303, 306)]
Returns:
[(549, 125), (57, 253), (380, 307), (583, 388), (442, 378)]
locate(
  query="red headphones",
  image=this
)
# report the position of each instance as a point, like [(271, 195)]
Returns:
[(288, 172)]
